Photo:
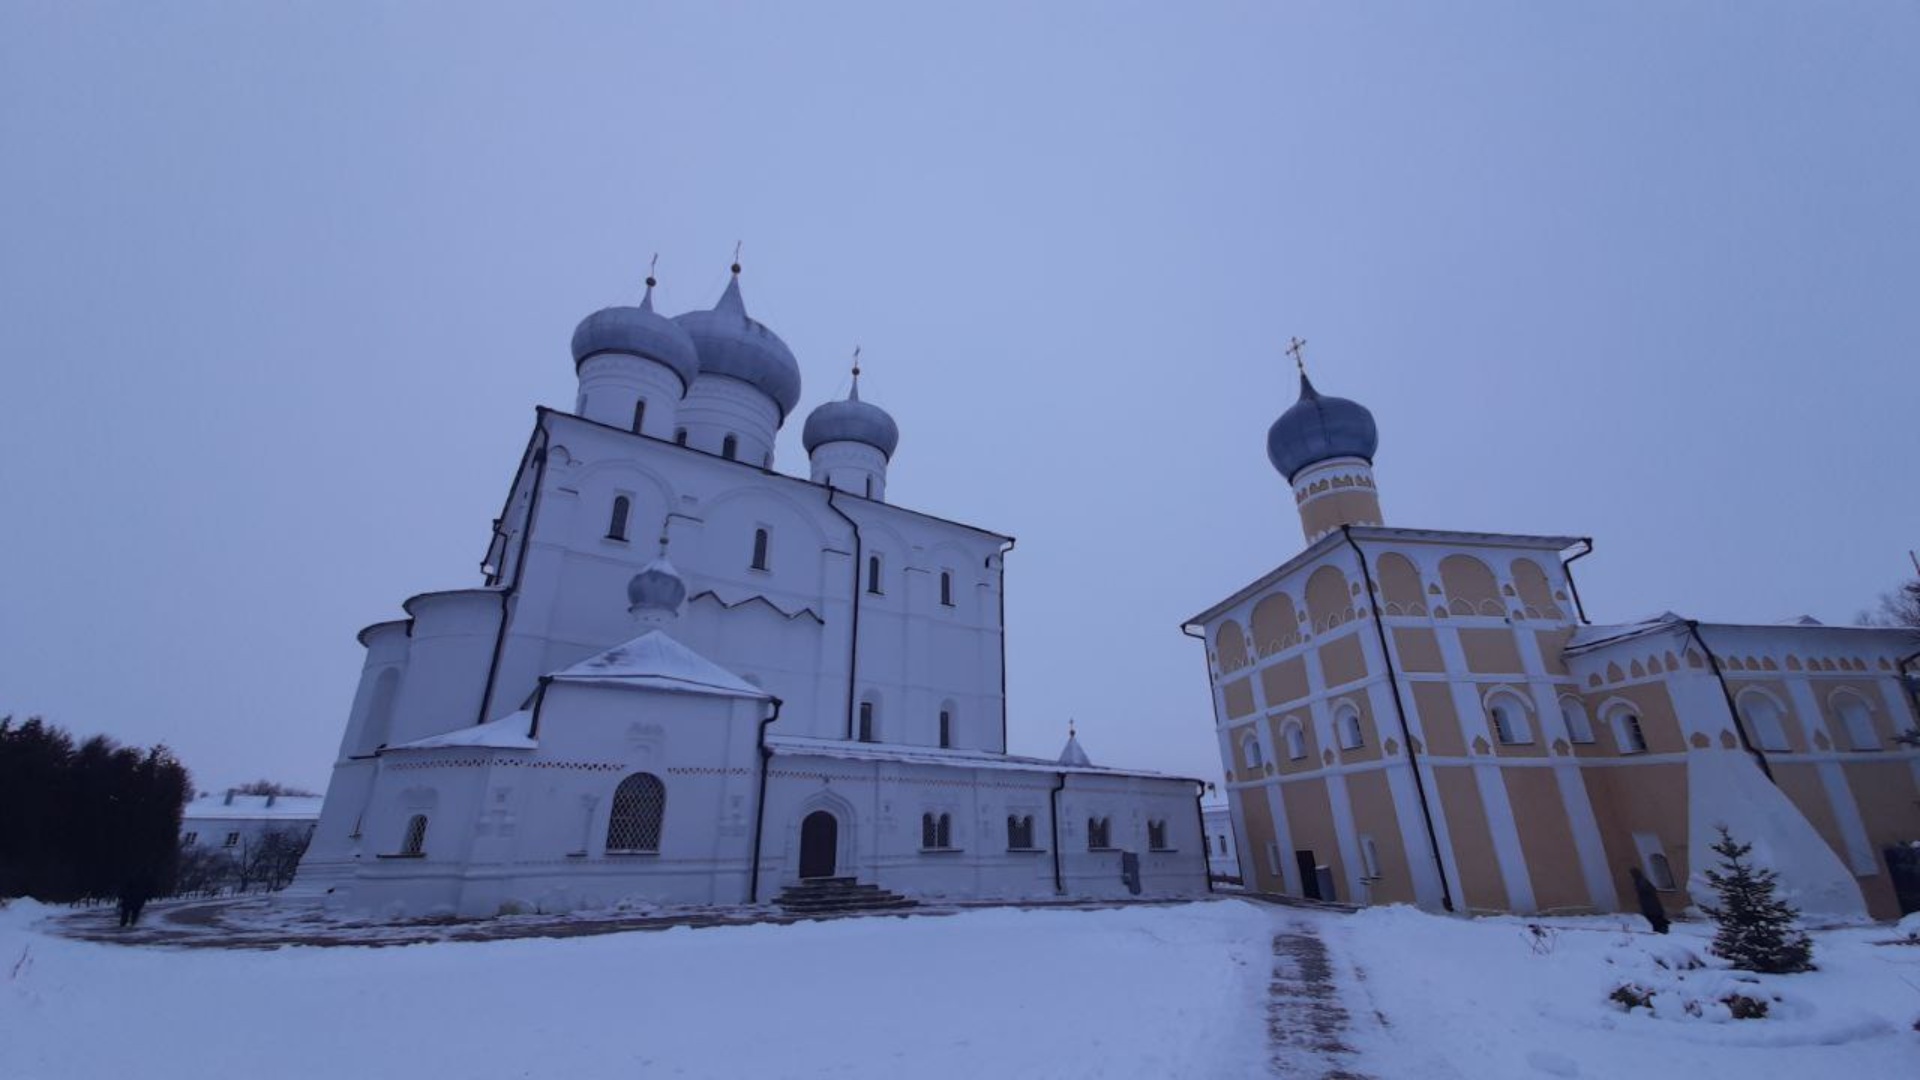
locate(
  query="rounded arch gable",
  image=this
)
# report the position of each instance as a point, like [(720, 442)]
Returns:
[(1329, 598), (1470, 586), (1766, 716), (1276, 624), (1400, 588), (1536, 593), (1229, 647)]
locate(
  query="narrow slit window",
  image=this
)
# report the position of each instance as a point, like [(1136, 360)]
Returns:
[(759, 549), (946, 729), (946, 587), (617, 523), (873, 574), (680, 437), (866, 721), (730, 448), (639, 414)]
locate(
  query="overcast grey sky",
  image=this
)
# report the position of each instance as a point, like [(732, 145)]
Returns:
[(281, 284)]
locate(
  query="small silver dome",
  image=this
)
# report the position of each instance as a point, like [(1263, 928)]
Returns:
[(731, 343), (851, 420), (1318, 428), (637, 331), (657, 587)]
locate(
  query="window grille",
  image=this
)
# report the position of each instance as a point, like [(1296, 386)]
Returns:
[(1019, 831), (936, 832), (1097, 834), (416, 839), (639, 809), (617, 525), (1633, 738)]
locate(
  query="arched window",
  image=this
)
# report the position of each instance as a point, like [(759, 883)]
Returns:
[(1766, 724), (639, 414), (936, 832), (1508, 719), (1250, 750), (1628, 732), (1157, 836), (1020, 832), (1346, 721), (946, 587), (873, 574), (680, 437), (867, 733), (1369, 859), (617, 524), (639, 809), (1296, 736), (1858, 721), (415, 842), (1099, 834), (759, 549), (946, 728), (1579, 728), (730, 448)]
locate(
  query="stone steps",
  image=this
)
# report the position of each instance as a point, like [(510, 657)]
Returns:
[(836, 896)]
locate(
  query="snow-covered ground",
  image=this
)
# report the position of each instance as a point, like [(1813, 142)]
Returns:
[(1496, 998), (1150, 991)]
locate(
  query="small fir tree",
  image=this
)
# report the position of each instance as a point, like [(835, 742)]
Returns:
[(1757, 930)]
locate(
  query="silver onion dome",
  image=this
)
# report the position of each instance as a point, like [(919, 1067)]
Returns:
[(731, 343), (637, 331), (851, 420), (1319, 428), (657, 587)]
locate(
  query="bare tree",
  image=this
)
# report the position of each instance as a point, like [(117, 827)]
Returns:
[(270, 858), (271, 787)]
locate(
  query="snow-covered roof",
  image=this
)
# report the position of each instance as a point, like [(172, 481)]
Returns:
[(655, 661), (1589, 638), (805, 746), (1073, 753), (507, 733), (252, 808)]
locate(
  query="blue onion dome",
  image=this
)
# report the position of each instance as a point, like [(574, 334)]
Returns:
[(637, 331), (1318, 428), (657, 587), (731, 343), (851, 420)]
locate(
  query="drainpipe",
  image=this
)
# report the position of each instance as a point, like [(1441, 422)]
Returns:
[(1200, 819), (1059, 784), (1003, 641), (1567, 565), (1214, 699), (1726, 692), (1400, 708), (539, 702), (853, 636), (519, 570), (760, 807)]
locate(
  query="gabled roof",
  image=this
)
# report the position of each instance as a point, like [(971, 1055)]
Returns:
[(810, 746), (654, 661)]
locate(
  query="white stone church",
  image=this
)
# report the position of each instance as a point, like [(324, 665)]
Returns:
[(689, 679)]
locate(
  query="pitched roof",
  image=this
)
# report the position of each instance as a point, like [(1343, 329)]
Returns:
[(655, 661)]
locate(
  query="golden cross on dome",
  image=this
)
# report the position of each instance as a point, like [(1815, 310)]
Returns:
[(856, 361), (1297, 349)]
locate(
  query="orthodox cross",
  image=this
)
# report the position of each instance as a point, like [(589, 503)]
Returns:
[(1296, 349)]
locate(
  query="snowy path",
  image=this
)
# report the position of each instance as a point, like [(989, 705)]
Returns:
[(1308, 1023)]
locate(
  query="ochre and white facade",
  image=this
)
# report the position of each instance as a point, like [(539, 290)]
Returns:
[(690, 679), (1423, 716)]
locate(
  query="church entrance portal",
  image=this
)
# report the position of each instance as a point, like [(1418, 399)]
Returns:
[(819, 844)]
